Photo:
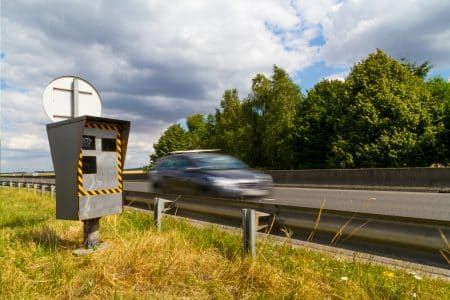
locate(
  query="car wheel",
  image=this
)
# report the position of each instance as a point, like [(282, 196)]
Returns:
[(157, 189), (206, 191)]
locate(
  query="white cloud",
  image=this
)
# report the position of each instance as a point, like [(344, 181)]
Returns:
[(338, 76), (24, 141), (155, 62), (416, 30), (314, 12)]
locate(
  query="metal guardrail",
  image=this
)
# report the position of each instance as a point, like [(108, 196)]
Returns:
[(339, 226), (408, 239), (34, 186), (414, 179), (403, 231)]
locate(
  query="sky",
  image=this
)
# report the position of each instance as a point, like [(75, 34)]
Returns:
[(156, 62)]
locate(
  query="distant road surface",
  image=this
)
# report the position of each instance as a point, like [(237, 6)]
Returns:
[(421, 205)]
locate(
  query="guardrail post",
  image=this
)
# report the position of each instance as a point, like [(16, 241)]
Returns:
[(251, 223), (11, 184), (29, 186), (19, 185), (249, 231), (35, 186), (52, 191), (159, 208), (43, 187)]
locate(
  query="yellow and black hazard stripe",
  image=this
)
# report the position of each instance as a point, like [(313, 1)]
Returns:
[(102, 126), (80, 174), (119, 159), (119, 189), (99, 192)]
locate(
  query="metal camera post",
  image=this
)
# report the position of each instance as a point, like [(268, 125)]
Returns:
[(88, 154), (91, 233)]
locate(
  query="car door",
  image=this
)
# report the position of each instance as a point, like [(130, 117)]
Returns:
[(176, 177)]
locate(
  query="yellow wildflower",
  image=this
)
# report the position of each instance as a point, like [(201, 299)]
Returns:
[(388, 274)]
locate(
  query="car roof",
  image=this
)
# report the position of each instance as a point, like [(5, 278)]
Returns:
[(189, 154), (194, 151)]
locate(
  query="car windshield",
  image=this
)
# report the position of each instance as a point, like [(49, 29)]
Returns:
[(218, 162)]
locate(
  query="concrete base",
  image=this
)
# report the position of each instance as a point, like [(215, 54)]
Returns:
[(84, 251)]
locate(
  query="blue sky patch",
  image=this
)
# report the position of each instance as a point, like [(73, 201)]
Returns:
[(3, 84), (308, 77), (317, 41), (440, 73)]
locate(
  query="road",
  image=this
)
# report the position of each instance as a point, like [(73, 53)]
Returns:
[(421, 205)]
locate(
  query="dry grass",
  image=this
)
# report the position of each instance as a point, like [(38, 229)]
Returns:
[(180, 262)]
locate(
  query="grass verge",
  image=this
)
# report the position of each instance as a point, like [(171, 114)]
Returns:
[(182, 261)]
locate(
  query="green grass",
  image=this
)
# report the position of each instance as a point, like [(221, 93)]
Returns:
[(182, 261)]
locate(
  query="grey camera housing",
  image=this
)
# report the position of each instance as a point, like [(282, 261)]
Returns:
[(88, 155)]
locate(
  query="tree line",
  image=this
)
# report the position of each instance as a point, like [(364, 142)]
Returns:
[(384, 114)]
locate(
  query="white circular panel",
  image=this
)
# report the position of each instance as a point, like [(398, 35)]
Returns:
[(69, 97)]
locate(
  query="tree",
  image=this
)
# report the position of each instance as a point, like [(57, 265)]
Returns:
[(173, 139), (388, 113), (383, 115), (319, 124), (440, 93), (230, 125), (418, 70), (271, 108), (198, 131)]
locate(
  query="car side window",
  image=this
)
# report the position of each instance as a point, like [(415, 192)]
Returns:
[(180, 163), (174, 163), (164, 165)]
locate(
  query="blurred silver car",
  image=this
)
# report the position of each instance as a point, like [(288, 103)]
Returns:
[(207, 173)]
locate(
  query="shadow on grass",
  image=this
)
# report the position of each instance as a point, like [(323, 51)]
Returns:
[(48, 240), (23, 222)]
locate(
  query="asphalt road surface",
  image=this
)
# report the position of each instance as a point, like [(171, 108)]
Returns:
[(421, 205), (433, 206)]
